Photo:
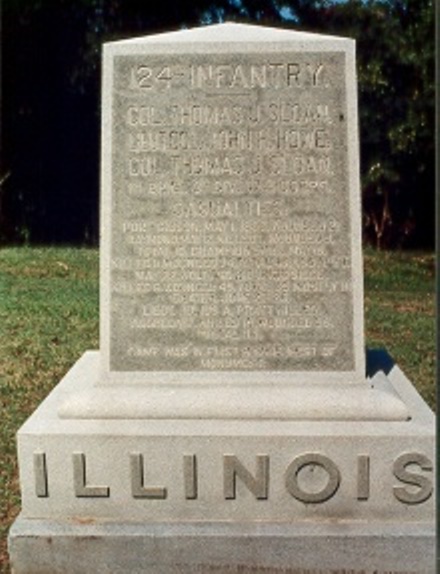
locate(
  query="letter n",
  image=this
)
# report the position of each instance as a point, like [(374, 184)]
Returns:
[(258, 484)]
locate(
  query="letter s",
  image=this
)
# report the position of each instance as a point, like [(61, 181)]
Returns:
[(423, 482)]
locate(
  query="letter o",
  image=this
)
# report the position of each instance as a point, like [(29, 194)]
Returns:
[(291, 477)]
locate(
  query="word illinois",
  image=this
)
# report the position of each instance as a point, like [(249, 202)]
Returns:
[(411, 470)]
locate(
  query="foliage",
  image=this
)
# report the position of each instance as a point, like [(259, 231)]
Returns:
[(49, 156), (395, 48), (396, 72)]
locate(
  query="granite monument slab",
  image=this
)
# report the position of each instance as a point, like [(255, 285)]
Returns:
[(231, 268), (231, 234)]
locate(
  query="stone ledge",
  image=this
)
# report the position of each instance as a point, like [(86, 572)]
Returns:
[(61, 547), (375, 400)]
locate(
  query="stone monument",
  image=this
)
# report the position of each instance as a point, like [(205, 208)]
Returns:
[(227, 423)]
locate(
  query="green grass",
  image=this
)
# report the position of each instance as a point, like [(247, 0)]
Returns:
[(399, 305), (49, 317)]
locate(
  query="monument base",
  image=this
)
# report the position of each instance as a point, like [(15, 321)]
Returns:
[(167, 495), (220, 399), (57, 547)]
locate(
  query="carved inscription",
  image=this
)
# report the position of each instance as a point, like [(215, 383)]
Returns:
[(81, 488), (138, 489), (190, 476), (312, 465), (363, 477), (230, 214), (311, 478), (258, 484), (406, 469), (40, 471)]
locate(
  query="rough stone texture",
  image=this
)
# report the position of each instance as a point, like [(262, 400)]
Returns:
[(231, 231), (350, 548)]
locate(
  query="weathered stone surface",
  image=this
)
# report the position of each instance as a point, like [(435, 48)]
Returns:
[(239, 470), (56, 547), (231, 275), (231, 232)]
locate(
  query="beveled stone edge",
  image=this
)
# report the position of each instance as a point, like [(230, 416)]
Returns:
[(228, 32), (376, 400), (293, 403)]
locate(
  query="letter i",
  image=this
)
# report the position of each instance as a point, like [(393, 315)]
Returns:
[(40, 473), (363, 484), (190, 476)]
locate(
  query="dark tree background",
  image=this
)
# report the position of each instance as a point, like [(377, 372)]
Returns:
[(49, 154)]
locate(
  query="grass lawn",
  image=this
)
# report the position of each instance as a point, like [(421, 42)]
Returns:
[(399, 303), (49, 317)]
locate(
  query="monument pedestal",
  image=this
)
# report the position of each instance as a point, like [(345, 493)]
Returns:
[(224, 495), (56, 547), (212, 396)]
